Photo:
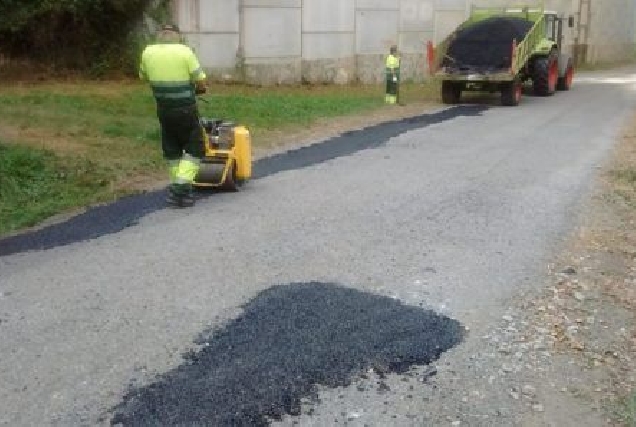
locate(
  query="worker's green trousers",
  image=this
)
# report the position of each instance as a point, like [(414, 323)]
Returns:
[(391, 90), (182, 144)]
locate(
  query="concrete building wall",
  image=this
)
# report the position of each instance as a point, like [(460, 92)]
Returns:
[(328, 40), (341, 41), (611, 30), (212, 29)]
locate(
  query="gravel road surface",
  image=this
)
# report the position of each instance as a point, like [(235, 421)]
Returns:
[(439, 221)]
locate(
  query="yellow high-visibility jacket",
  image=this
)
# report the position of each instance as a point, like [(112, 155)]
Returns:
[(172, 70), (392, 66)]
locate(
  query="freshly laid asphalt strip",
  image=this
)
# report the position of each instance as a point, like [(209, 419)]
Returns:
[(112, 218), (486, 45), (289, 340)]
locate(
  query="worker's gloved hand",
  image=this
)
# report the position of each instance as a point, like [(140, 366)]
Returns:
[(395, 78), (200, 88)]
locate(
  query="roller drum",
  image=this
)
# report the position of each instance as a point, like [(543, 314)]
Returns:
[(211, 175)]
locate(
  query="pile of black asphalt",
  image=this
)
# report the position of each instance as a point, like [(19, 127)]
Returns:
[(486, 45), (289, 340), (114, 217)]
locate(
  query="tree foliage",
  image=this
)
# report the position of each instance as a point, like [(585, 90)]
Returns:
[(76, 34)]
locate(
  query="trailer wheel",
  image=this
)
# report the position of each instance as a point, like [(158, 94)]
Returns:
[(546, 75), (511, 93), (565, 82), (451, 92)]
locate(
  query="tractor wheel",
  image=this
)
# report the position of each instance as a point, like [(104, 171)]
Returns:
[(565, 82), (511, 93), (451, 92), (546, 75)]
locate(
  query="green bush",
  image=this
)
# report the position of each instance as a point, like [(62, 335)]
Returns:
[(93, 36)]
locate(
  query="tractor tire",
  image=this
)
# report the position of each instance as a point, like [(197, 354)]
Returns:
[(565, 82), (451, 92), (546, 75), (511, 93)]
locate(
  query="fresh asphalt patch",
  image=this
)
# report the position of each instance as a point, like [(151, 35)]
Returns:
[(357, 140), (289, 340), (114, 217)]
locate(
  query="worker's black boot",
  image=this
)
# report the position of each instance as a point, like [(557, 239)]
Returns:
[(188, 199), (173, 199), (180, 196)]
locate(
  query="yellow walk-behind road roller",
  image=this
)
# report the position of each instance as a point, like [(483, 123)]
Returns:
[(228, 156)]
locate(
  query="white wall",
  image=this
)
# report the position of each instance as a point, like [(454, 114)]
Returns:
[(212, 29), (328, 29), (611, 30), (350, 37)]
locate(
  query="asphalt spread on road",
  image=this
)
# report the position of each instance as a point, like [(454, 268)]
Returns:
[(114, 217), (289, 340)]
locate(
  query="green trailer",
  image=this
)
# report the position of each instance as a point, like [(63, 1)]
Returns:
[(537, 58)]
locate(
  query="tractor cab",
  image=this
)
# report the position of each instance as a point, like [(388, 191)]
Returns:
[(554, 27)]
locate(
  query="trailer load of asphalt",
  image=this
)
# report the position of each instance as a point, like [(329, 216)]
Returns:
[(289, 339), (486, 45)]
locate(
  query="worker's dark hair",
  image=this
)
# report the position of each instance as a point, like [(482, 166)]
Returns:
[(169, 33), (170, 27), (393, 49)]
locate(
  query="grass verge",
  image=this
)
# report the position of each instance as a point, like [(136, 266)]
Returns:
[(35, 184), (627, 412), (69, 144)]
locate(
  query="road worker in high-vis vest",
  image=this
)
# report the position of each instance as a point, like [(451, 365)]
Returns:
[(176, 77), (392, 76)]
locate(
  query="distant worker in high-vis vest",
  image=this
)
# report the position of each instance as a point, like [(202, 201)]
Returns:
[(392, 76), (175, 76)]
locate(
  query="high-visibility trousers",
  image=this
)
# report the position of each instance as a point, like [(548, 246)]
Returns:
[(392, 86), (182, 143)]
